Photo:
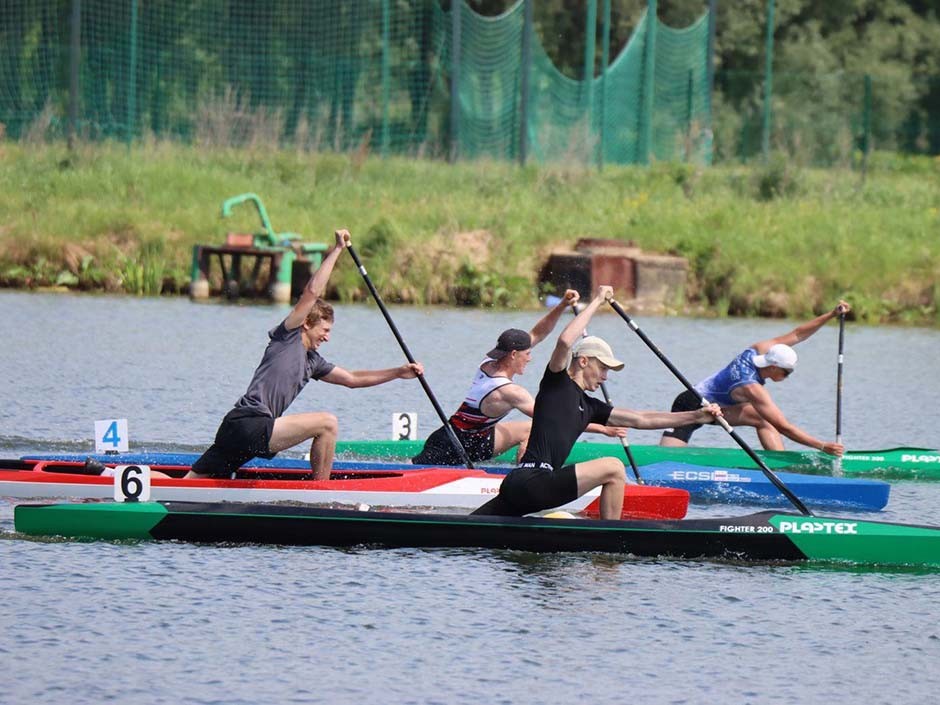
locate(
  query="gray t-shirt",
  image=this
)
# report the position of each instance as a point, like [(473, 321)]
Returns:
[(285, 369)]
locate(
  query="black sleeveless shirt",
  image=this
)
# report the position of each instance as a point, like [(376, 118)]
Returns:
[(562, 412)]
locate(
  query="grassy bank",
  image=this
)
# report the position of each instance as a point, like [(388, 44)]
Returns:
[(766, 240)]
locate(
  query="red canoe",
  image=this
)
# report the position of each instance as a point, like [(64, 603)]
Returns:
[(434, 488)]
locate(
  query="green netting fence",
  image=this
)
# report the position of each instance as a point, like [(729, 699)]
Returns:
[(393, 76), (825, 119), (418, 77)]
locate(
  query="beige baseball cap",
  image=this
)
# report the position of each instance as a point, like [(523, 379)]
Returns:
[(592, 346)]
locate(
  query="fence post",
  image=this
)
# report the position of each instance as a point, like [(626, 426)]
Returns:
[(587, 87), (525, 88), (455, 9), (866, 126), (386, 50), (688, 116), (132, 75), (605, 60), (649, 76), (75, 57), (768, 80), (710, 68)]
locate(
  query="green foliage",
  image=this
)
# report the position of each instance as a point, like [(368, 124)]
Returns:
[(475, 287), (142, 274), (711, 275), (778, 178), (428, 232), (381, 240), (30, 274)]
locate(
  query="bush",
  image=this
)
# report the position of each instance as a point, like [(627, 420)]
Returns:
[(779, 178)]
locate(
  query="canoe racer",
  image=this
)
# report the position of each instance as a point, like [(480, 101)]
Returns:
[(739, 388), (563, 410), (478, 423), (256, 427)]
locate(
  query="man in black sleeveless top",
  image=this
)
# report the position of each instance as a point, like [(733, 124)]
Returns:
[(563, 410), (478, 423)]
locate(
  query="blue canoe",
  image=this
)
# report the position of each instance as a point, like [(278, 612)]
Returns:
[(704, 484)]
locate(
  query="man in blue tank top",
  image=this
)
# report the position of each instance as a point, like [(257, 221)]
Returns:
[(478, 423), (256, 427), (739, 388)]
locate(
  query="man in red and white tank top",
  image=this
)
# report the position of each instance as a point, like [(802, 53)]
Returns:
[(478, 422)]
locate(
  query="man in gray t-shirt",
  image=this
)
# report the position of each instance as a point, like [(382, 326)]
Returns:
[(256, 427)]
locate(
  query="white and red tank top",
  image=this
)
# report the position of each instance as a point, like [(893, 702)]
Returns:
[(469, 418)]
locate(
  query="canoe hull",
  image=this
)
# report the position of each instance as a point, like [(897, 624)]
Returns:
[(703, 483), (765, 536), (889, 464), (433, 489), (751, 487)]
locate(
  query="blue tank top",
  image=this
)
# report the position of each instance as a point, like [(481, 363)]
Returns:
[(740, 371)]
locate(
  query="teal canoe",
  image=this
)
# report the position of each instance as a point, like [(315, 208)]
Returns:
[(765, 536), (892, 463)]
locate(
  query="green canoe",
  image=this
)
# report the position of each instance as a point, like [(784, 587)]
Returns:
[(892, 463), (765, 536)]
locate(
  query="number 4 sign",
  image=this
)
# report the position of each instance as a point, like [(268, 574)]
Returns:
[(111, 436)]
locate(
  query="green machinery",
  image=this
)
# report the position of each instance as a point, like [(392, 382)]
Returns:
[(281, 263)]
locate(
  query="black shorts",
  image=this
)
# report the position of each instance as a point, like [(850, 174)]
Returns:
[(687, 401), (531, 489), (242, 435), (439, 449)]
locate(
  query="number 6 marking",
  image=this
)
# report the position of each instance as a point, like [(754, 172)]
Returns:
[(132, 483)]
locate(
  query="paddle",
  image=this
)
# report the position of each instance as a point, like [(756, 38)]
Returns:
[(720, 420), (427, 389), (623, 441), (837, 464)]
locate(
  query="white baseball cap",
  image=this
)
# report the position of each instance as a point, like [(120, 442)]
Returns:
[(779, 355), (592, 346)]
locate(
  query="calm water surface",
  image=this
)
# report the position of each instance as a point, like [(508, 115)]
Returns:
[(155, 623)]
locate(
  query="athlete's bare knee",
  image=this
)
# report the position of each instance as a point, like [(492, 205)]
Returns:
[(330, 426), (614, 471)]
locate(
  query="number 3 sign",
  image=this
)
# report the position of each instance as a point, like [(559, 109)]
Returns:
[(404, 426)]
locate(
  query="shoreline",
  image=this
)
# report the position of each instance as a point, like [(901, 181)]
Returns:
[(116, 219)]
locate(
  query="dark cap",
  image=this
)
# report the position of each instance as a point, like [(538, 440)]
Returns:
[(509, 340)]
